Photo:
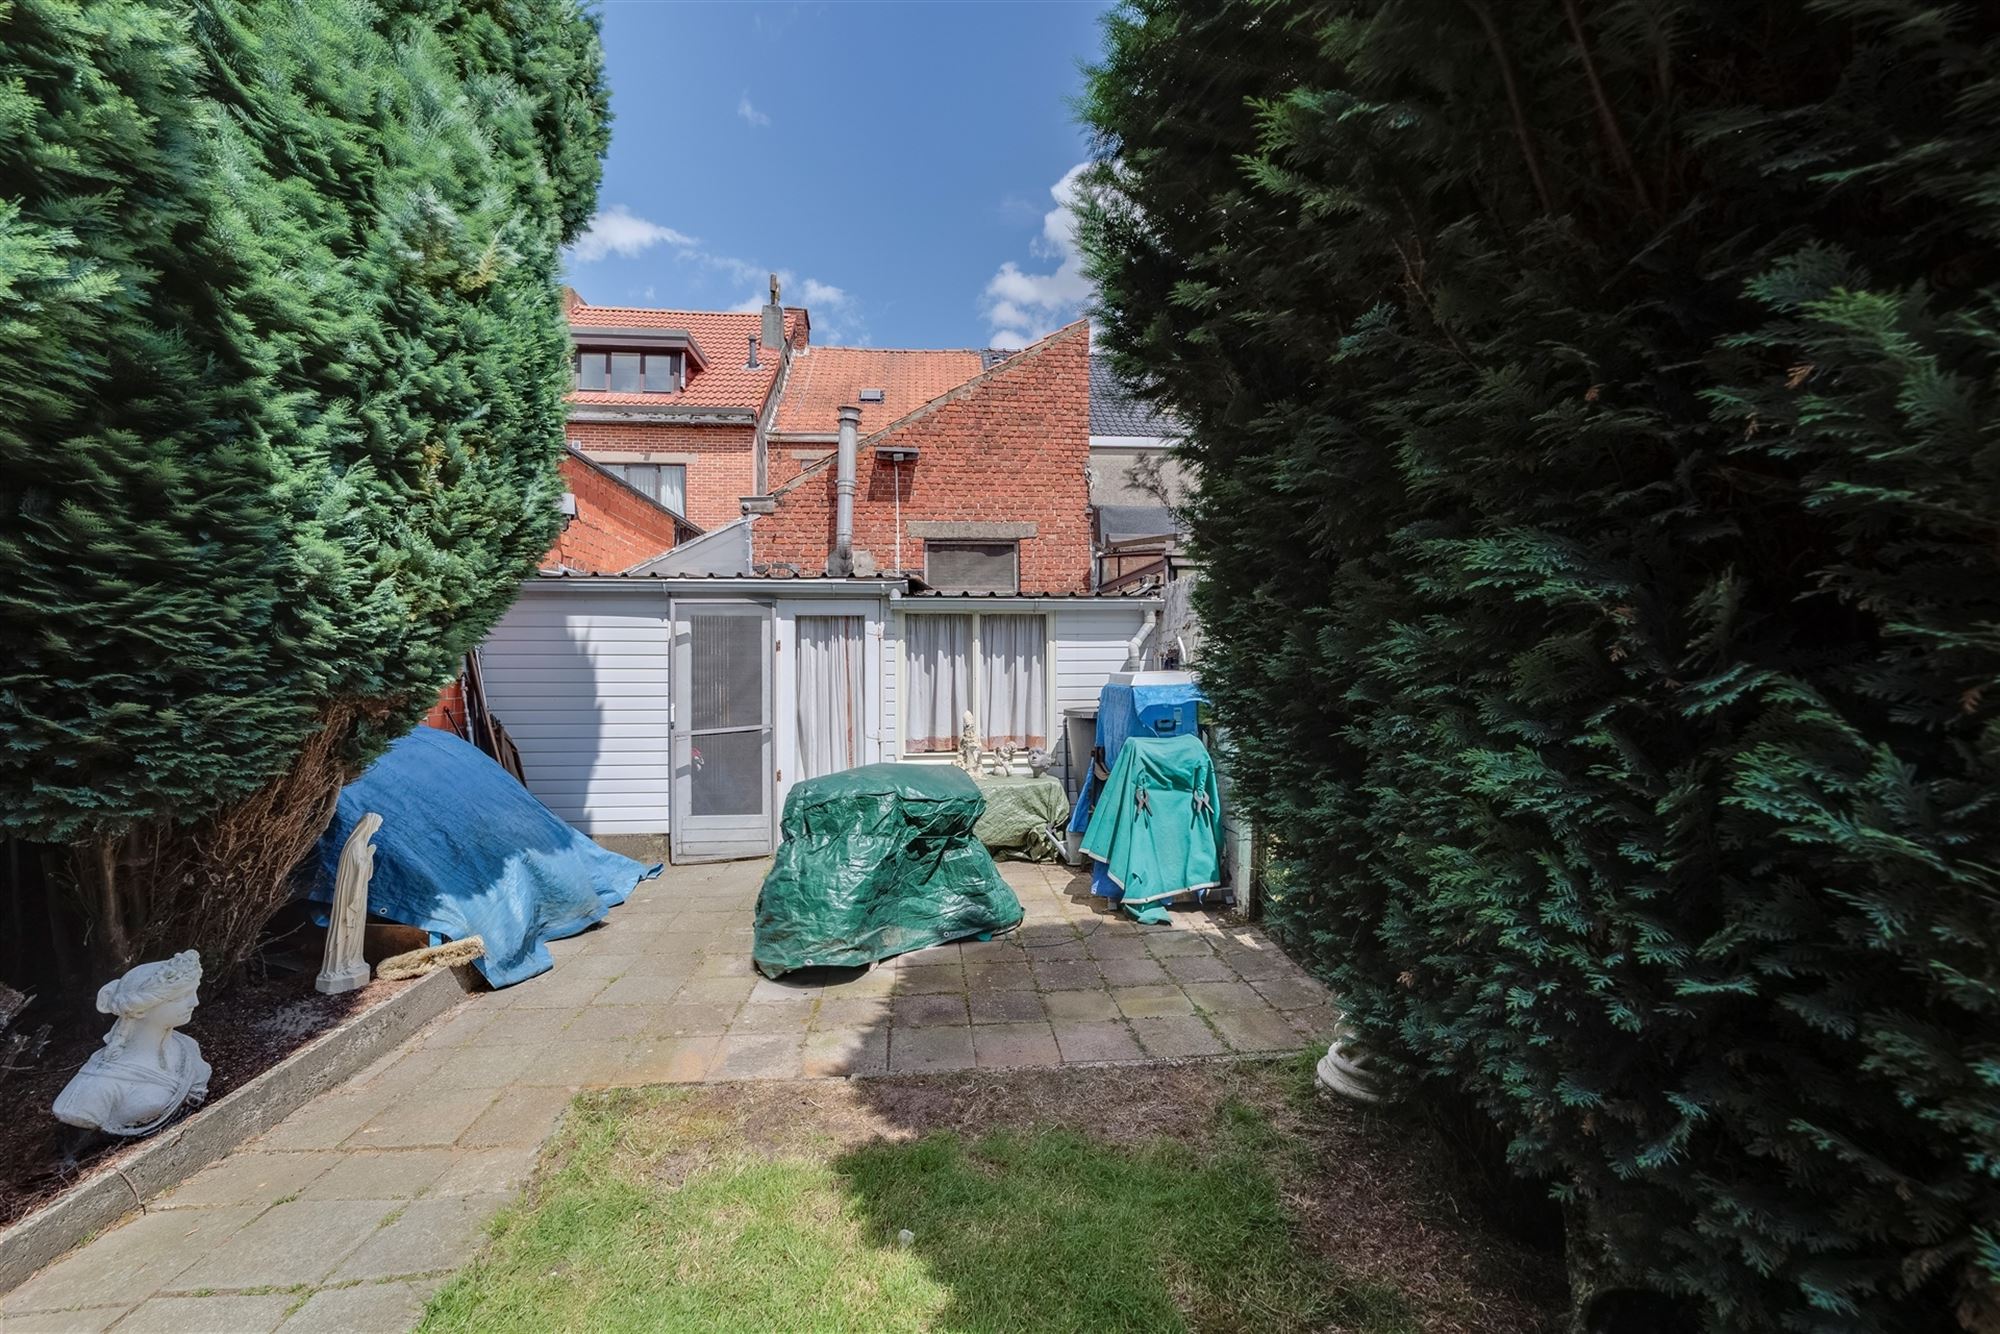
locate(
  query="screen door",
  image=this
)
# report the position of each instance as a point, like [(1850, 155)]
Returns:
[(721, 731)]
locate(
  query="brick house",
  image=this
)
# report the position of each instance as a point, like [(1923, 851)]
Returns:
[(769, 639), (612, 525), (680, 402), (982, 487)]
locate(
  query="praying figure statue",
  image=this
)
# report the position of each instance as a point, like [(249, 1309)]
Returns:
[(145, 1071), (968, 745), (343, 968)]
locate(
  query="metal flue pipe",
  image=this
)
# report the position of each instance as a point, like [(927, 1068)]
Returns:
[(841, 565)]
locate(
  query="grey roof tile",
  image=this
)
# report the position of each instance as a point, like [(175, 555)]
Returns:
[(1115, 410)]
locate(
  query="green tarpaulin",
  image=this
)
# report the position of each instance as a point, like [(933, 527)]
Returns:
[(1157, 826), (1018, 812), (876, 862)]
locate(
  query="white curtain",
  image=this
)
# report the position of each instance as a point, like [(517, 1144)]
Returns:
[(938, 650), (829, 693), (1013, 691)]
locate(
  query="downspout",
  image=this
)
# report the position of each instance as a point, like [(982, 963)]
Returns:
[(1135, 648), (841, 564)]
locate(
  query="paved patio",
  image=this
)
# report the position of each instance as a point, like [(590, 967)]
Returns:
[(348, 1214)]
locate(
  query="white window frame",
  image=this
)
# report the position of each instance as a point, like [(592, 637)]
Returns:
[(1049, 674)]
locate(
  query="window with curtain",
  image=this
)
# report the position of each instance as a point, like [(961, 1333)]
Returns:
[(627, 372), (664, 482), (938, 652), (1013, 691), (830, 698), (993, 666)]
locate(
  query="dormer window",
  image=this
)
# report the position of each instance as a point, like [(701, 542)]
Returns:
[(624, 372)]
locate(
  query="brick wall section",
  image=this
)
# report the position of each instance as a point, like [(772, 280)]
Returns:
[(1009, 446), (448, 714), (615, 527), (723, 471)]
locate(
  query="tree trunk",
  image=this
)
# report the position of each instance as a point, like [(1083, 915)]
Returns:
[(161, 887)]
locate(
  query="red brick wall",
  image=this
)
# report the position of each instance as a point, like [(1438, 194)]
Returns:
[(448, 714), (1009, 447), (723, 471), (615, 527)]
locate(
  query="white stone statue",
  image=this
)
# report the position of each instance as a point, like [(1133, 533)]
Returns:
[(1006, 751), (1346, 1069), (145, 1071), (968, 745), (342, 968)]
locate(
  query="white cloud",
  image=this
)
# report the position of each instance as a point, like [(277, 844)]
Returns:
[(619, 231), (817, 293), (1021, 305), (750, 113)]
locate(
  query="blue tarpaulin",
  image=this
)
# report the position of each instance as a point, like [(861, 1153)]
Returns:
[(465, 850)]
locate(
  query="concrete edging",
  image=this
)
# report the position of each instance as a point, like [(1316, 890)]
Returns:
[(178, 1153)]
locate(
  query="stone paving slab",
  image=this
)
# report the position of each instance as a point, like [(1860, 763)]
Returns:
[(361, 1203)]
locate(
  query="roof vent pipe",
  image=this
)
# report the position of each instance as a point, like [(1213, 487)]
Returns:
[(751, 364), (841, 565)]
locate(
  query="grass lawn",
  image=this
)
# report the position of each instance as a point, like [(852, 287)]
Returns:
[(779, 1207)]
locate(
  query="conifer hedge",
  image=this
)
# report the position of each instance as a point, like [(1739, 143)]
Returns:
[(1596, 410), (282, 367)]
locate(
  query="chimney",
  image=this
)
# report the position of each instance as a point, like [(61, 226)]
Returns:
[(774, 318), (751, 364), (841, 564)]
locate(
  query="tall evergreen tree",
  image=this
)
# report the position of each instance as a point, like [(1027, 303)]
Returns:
[(282, 365), (1596, 411)]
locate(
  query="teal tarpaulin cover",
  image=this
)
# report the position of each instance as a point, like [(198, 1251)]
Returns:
[(1157, 823), (878, 861), (465, 850)]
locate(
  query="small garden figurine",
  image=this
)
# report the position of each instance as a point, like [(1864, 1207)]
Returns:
[(145, 1071), (968, 745)]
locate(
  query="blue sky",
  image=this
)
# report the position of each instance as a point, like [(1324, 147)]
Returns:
[(900, 164)]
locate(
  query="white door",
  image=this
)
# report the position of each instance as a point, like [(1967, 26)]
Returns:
[(722, 731)]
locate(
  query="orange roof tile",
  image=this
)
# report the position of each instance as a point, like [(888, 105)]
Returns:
[(724, 340), (825, 378)]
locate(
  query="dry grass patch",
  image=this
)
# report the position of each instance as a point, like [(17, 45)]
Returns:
[(1179, 1197)]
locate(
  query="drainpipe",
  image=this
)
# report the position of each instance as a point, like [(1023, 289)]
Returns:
[(841, 565), (1136, 648)]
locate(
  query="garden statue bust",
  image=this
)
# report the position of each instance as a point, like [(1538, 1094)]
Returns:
[(968, 745), (144, 1071)]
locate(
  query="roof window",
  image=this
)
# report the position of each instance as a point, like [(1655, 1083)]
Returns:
[(873, 395)]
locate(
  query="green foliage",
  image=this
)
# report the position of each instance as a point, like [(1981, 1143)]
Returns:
[(281, 374), (1596, 411)]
